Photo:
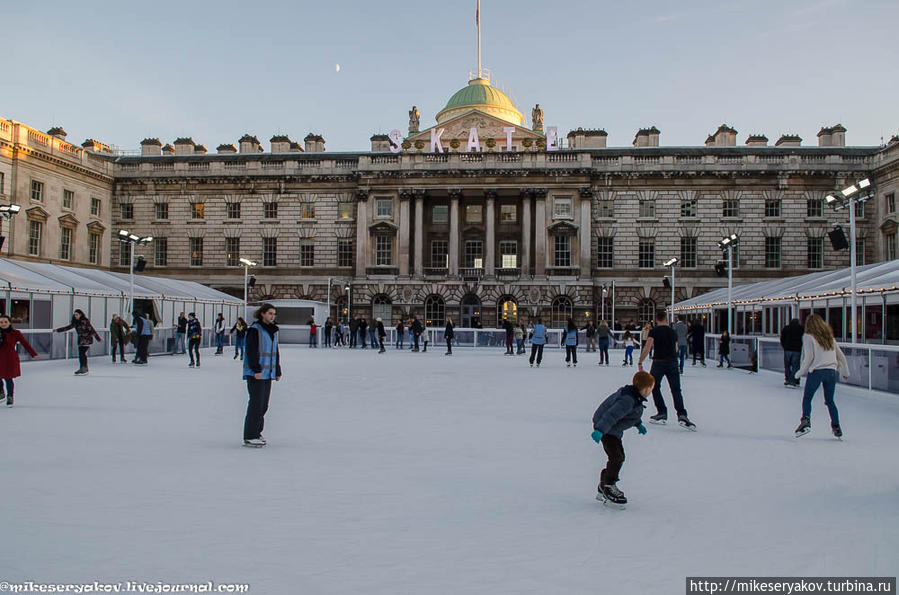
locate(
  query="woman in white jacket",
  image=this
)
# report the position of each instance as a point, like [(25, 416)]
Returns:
[(822, 360)]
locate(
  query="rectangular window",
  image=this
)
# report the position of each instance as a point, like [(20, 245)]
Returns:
[(126, 211), (37, 191), (508, 254), (647, 254), (35, 231), (95, 207), (730, 207), (890, 200), (307, 210), (607, 208), (474, 214), (345, 253), (160, 252), (647, 208), (772, 207), (93, 253), (440, 214), (688, 207), (65, 243), (814, 207), (2, 182), (68, 199), (859, 251), (439, 254), (859, 210), (891, 246), (162, 210), (605, 253), (562, 208), (815, 254), (270, 210), (233, 210), (474, 254), (307, 253), (232, 252), (384, 207), (269, 252), (772, 253), (562, 252), (383, 251), (345, 211), (198, 210), (508, 213), (688, 253), (124, 254), (196, 252)]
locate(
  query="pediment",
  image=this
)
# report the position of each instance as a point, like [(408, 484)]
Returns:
[(889, 225), (488, 127), (68, 220), (37, 213), (562, 228), (96, 227), (382, 228)]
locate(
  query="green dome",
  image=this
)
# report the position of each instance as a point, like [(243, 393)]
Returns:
[(479, 94)]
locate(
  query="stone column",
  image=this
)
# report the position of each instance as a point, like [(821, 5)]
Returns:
[(490, 248), (419, 233), (403, 240), (525, 261), (361, 232), (540, 233), (585, 235), (454, 233)]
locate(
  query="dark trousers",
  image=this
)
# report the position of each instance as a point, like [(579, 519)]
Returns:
[(570, 353), (667, 369), (615, 451), (536, 351), (312, 342), (193, 347), (259, 391), (10, 386), (699, 351), (328, 338), (415, 341), (353, 336), (604, 350), (508, 343), (82, 356), (791, 366), (121, 345), (449, 345), (143, 348), (681, 356)]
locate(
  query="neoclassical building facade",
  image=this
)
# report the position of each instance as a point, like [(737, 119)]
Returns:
[(481, 217)]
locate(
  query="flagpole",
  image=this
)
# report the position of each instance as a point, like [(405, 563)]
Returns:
[(478, 19)]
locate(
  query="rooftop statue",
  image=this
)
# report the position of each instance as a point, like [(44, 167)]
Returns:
[(537, 118), (414, 119)]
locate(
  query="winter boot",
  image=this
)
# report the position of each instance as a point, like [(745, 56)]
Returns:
[(805, 426), (835, 428), (81, 371), (9, 400), (659, 418), (684, 422), (612, 496)]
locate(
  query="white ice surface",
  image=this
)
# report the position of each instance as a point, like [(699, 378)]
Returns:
[(419, 473)]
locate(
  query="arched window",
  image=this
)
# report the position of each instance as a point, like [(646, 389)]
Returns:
[(647, 311), (341, 308), (435, 311), (382, 307), (507, 308), (470, 314), (562, 311)]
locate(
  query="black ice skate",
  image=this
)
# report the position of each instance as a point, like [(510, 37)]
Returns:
[(804, 428), (81, 371), (659, 418), (684, 422), (835, 428), (254, 443), (9, 401), (610, 495)]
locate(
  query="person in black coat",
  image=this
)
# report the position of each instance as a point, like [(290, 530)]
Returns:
[(416, 332), (696, 335), (362, 328), (449, 334), (354, 329), (86, 334), (382, 333), (791, 341)]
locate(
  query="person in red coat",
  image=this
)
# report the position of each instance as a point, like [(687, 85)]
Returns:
[(9, 359)]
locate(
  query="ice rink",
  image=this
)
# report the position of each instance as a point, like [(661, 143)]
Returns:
[(419, 473)]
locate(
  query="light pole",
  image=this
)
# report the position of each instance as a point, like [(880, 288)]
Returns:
[(133, 241), (613, 306), (850, 196), (348, 304), (7, 212), (670, 263), (729, 242), (602, 307), (247, 263)]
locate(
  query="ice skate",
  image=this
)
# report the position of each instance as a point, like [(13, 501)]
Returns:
[(659, 418), (610, 495), (835, 428), (804, 428), (9, 401), (684, 422), (254, 443), (81, 371)]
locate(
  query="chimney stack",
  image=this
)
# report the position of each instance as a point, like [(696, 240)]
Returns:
[(647, 137), (250, 144), (315, 143), (57, 132), (757, 140), (587, 139), (280, 143), (225, 149), (150, 146), (788, 140), (184, 146), (725, 136)]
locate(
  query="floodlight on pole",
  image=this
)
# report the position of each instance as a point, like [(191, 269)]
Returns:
[(670, 263), (728, 242), (247, 263), (133, 240)]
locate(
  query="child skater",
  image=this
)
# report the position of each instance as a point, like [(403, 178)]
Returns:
[(629, 345), (622, 410), (9, 359)]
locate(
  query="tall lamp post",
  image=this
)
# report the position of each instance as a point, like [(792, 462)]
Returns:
[(133, 241), (847, 198), (348, 311), (7, 212), (728, 243), (670, 263), (247, 263)]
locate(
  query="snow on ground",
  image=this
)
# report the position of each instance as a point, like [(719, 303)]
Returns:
[(419, 473)]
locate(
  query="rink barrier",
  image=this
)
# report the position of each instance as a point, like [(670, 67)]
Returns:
[(52, 345)]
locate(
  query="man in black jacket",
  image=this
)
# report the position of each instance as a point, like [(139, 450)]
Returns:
[(791, 341), (416, 332)]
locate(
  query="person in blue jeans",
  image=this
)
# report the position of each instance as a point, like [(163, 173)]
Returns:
[(604, 336), (681, 330), (791, 342), (823, 361), (538, 341), (662, 341)]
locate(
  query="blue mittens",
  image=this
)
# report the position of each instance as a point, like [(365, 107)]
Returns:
[(641, 428), (597, 436)]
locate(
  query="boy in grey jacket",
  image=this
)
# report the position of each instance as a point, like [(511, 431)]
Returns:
[(622, 410)]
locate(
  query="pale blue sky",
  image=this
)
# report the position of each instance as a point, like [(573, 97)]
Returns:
[(121, 71)]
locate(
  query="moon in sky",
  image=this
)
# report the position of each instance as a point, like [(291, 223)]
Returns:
[(337, 68)]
